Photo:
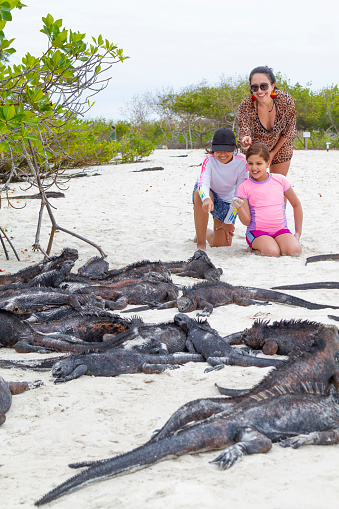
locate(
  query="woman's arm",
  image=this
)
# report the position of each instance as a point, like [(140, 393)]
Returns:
[(243, 210), (286, 104), (289, 108), (277, 146), (297, 210), (244, 124)]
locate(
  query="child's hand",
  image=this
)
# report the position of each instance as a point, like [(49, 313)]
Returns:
[(237, 203), (246, 141), (208, 205)]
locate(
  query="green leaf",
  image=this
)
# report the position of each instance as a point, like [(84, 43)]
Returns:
[(48, 20), (18, 117), (5, 6), (6, 15), (57, 57), (9, 111), (32, 122)]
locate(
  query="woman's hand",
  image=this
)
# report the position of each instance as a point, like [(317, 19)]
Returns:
[(208, 205), (237, 203), (246, 141)]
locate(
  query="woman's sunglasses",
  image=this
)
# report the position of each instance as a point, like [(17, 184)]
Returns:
[(262, 86)]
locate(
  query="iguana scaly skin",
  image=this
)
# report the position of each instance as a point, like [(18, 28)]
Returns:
[(307, 416), (207, 295)]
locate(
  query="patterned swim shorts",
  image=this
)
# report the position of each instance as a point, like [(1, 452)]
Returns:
[(221, 208)]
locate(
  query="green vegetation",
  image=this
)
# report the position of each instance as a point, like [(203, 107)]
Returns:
[(40, 100), (86, 142), (187, 119)]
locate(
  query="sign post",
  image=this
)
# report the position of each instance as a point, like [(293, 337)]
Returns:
[(328, 143), (306, 135)]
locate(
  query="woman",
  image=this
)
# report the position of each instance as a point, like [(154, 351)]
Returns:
[(268, 116)]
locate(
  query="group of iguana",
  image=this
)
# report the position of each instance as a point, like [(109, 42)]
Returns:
[(47, 308)]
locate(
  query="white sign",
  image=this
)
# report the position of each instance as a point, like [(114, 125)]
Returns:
[(306, 134)]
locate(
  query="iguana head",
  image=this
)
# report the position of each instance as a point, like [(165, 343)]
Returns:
[(185, 304), (183, 321)]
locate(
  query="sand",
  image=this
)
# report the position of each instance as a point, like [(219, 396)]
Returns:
[(139, 215)]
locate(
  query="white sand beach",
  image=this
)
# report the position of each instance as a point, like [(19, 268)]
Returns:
[(148, 215)]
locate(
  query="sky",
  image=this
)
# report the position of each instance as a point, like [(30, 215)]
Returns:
[(177, 43)]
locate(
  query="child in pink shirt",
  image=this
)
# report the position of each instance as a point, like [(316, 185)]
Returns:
[(261, 207)]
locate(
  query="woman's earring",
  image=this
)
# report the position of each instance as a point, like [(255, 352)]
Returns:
[(273, 95), (254, 98)]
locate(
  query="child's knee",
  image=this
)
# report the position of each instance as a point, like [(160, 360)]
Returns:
[(293, 248), (266, 246), (292, 251), (270, 249)]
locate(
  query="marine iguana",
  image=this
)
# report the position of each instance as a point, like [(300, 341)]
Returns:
[(28, 273), (95, 268), (198, 266), (160, 338), (7, 389), (114, 362), (75, 332), (208, 294), (280, 337), (140, 269), (86, 326), (309, 416), (28, 299), (132, 291), (18, 334), (320, 363), (216, 351), (117, 362), (54, 277)]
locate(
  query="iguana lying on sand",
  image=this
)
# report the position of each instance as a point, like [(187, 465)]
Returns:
[(207, 295), (280, 337), (308, 415)]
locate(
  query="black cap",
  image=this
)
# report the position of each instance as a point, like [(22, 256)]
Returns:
[(223, 139)]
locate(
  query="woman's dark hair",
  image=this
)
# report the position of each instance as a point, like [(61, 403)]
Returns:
[(263, 69), (259, 149)]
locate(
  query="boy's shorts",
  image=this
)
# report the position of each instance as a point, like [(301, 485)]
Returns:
[(221, 208), (254, 234)]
